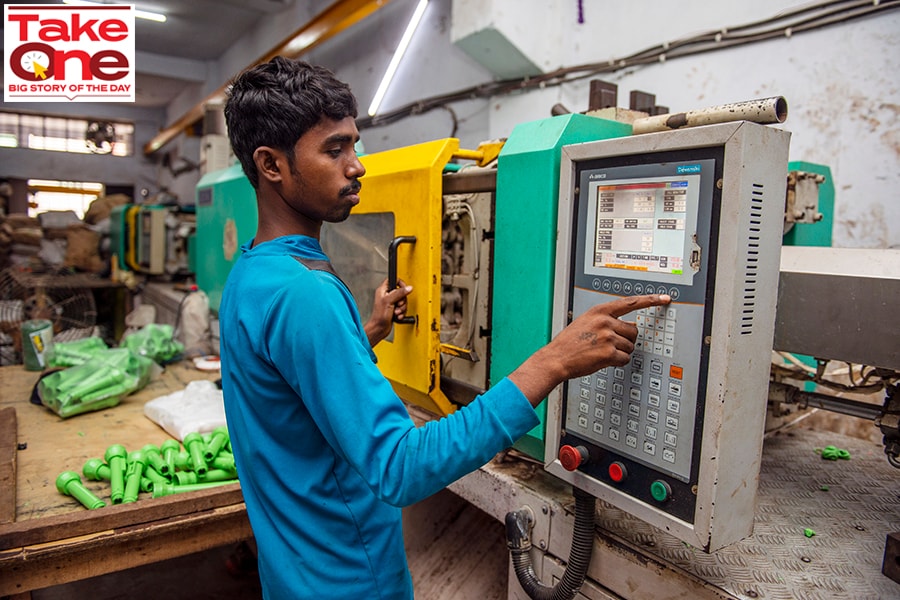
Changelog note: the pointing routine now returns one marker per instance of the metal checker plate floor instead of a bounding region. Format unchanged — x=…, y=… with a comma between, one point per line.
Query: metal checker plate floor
x=851, y=505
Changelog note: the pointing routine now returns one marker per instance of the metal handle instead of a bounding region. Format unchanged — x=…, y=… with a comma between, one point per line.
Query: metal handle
x=392, y=270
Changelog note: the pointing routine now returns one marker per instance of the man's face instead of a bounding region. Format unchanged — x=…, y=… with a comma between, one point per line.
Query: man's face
x=324, y=183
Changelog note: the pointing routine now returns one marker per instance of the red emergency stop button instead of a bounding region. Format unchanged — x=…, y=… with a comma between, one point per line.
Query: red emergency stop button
x=617, y=472
x=572, y=457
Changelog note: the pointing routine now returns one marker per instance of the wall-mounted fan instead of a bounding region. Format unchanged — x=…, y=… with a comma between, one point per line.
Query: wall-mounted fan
x=100, y=137
x=56, y=296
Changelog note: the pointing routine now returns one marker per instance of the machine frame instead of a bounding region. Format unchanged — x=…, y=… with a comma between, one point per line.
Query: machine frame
x=750, y=218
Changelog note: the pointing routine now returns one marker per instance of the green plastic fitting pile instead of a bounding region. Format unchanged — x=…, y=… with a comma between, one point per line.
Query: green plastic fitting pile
x=205, y=461
x=94, y=376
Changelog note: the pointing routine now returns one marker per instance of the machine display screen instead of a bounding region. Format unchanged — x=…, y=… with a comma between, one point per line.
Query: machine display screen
x=642, y=219
x=640, y=226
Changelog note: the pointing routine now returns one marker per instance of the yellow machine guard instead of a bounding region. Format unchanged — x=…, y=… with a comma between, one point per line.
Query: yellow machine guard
x=407, y=183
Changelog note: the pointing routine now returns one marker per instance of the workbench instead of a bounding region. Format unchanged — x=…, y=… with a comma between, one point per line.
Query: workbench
x=47, y=538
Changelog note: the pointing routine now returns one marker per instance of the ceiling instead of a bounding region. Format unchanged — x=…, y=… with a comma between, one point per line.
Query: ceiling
x=198, y=30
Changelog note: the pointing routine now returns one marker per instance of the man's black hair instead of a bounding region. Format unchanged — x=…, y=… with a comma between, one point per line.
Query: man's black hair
x=275, y=103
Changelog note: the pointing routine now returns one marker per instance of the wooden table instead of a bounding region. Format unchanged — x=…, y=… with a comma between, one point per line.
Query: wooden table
x=47, y=538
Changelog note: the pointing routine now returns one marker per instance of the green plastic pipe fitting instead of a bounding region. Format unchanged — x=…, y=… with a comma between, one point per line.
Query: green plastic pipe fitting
x=133, y=474
x=96, y=470
x=224, y=461
x=217, y=475
x=184, y=478
x=190, y=478
x=170, y=449
x=216, y=443
x=116, y=459
x=155, y=459
x=183, y=460
x=167, y=489
x=154, y=476
x=194, y=443
x=69, y=483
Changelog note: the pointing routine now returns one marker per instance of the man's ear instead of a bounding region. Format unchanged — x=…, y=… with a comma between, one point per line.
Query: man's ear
x=269, y=163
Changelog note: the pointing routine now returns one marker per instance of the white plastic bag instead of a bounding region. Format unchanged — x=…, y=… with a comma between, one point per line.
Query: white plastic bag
x=197, y=408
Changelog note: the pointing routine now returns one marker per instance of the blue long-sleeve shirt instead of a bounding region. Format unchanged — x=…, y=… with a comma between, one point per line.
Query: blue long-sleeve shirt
x=326, y=451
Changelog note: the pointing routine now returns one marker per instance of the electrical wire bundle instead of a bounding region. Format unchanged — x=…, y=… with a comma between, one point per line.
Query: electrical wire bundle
x=785, y=24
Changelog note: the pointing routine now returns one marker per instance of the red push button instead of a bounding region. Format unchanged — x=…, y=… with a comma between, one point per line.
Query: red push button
x=617, y=472
x=571, y=457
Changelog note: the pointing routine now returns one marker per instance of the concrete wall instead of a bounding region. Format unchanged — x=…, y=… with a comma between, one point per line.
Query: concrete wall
x=135, y=170
x=842, y=85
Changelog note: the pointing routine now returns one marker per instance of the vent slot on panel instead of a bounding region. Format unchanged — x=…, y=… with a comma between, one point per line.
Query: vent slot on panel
x=751, y=260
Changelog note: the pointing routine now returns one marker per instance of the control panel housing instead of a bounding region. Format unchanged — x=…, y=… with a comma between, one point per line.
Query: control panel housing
x=675, y=436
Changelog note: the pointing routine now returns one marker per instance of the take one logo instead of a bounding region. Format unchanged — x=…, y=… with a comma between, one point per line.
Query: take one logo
x=68, y=53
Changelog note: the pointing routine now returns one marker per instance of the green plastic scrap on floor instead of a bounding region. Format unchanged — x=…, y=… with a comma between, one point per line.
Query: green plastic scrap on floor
x=809, y=532
x=834, y=453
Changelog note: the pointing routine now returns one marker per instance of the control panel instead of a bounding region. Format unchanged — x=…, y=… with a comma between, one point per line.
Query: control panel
x=675, y=436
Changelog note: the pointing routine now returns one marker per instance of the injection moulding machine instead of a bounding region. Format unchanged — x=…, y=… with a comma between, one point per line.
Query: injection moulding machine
x=153, y=239
x=505, y=244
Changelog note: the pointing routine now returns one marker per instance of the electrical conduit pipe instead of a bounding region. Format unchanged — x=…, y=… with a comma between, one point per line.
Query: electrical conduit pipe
x=518, y=525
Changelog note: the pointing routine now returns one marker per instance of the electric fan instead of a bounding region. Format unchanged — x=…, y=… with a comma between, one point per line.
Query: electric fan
x=42, y=294
x=100, y=137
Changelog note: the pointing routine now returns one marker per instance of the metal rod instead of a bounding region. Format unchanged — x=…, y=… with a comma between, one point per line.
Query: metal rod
x=854, y=408
x=764, y=110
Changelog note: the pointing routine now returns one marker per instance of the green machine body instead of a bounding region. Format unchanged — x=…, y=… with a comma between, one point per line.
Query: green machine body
x=525, y=242
x=226, y=218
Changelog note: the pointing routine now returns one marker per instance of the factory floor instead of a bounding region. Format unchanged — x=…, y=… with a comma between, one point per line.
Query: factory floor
x=446, y=560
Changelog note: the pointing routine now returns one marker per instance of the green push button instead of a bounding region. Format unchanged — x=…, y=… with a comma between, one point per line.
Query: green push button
x=660, y=490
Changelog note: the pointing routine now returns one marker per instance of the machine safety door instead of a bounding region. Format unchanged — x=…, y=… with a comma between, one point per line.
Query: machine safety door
x=396, y=230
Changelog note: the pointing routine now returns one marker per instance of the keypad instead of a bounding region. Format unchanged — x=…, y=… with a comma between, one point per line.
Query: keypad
x=656, y=331
x=637, y=409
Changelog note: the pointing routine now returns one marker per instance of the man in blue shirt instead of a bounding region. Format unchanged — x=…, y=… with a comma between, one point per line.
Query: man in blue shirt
x=326, y=451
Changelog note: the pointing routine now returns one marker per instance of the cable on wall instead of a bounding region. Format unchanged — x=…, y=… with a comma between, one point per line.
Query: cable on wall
x=786, y=24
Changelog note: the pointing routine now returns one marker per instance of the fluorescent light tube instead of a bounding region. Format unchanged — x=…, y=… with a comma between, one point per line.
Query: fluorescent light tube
x=398, y=55
x=140, y=14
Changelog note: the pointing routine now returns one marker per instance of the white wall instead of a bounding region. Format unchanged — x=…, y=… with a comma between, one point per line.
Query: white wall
x=842, y=83
x=431, y=66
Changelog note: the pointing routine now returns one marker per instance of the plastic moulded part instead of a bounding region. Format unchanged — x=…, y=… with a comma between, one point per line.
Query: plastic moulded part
x=69, y=483
x=166, y=490
x=133, y=474
x=115, y=457
x=216, y=443
x=155, y=459
x=96, y=470
x=835, y=453
x=154, y=477
x=213, y=475
x=170, y=449
x=194, y=444
x=224, y=461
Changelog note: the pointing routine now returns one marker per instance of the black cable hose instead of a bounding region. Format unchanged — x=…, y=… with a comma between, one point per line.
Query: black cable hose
x=827, y=14
x=517, y=527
